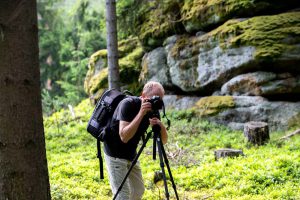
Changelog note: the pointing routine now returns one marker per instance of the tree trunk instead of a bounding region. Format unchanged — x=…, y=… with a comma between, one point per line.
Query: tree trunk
x=23, y=164
x=256, y=132
x=112, y=45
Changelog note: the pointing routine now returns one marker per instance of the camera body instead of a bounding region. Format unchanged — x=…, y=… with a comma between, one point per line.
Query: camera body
x=156, y=103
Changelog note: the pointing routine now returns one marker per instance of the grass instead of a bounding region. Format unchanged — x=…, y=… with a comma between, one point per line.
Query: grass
x=271, y=171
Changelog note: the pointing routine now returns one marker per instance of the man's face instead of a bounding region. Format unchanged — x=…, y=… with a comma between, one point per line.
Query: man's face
x=155, y=92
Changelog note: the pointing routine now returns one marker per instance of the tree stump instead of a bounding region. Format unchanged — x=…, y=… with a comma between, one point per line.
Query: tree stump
x=256, y=132
x=222, y=153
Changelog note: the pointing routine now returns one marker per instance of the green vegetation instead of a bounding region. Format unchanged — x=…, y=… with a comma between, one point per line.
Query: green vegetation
x=266, y=172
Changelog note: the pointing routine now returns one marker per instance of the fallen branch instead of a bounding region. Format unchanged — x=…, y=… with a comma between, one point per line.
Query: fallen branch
x=290, y=135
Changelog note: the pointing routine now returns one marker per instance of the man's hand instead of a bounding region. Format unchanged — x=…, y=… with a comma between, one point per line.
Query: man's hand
x=153, y=121
x=145, y=106
x=164, y=135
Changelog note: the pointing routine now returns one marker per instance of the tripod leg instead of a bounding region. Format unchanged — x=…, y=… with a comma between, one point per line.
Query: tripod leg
x=161, y=159
x=132, y=165
x=154, y=145
x=169, y=170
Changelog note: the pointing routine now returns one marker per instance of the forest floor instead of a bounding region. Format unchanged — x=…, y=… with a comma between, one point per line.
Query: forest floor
x=271, y=171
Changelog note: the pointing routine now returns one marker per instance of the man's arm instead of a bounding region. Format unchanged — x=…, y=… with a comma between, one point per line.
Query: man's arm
x=128, y=129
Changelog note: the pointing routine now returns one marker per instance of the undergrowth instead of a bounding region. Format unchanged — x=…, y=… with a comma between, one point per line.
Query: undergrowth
x=264, y=172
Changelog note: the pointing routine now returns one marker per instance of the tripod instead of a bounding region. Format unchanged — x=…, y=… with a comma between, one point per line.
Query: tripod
x=162, y=157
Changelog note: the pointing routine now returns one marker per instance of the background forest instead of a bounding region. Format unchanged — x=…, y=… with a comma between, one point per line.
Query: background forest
x=69, y=32
x=72, y=43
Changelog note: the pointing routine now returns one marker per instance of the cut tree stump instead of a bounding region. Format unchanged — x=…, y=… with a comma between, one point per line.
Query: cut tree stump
x=222, y=153
x=256, y=132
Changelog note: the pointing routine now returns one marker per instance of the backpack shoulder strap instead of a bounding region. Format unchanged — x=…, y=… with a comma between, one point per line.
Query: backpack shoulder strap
x=99, y=156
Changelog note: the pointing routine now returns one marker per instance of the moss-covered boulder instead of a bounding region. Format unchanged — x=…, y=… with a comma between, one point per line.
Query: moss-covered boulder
x=130, y=56
x=213, y=105
x=157, y=21
x=96, y=76
x=207, y=14
x=204, y=63
x=260, y=43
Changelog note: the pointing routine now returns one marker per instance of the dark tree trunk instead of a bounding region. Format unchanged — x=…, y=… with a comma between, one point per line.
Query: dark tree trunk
x=112, y=45
x=256, y=132
x=23, y=164
x=222, y=153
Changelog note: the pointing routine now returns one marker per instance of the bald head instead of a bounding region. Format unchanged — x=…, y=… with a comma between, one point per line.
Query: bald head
x=153, y=88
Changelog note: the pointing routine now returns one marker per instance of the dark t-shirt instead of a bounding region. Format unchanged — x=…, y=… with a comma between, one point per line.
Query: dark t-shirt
x=126, y=111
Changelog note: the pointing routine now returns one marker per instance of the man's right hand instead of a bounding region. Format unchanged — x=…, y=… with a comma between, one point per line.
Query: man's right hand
x=145, y=106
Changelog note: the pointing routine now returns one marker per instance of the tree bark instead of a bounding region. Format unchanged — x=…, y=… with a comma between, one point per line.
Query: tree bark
x=256, y=132
x=23, y=164
x=112, y=45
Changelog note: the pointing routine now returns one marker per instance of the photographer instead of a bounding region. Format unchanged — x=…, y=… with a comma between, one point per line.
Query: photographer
x=129, y=123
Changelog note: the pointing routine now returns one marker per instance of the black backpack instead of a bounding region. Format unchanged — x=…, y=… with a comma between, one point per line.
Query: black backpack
x=99, y=123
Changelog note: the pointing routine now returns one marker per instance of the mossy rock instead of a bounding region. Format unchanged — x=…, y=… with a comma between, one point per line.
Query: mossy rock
x=99, y=81
x=127, y=46
x=158, y=20
x=97, y=62
x=271, y=35
x=130, y=57
x=212, y=105
x=206, y=14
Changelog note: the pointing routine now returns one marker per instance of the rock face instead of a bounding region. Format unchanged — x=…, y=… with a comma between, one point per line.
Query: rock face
x=155, y=68
x=235, y=111
x=244, y=53
x=262, y=84
x=204, y=63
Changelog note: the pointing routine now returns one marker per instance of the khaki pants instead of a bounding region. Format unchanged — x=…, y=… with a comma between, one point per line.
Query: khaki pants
x=133, y=188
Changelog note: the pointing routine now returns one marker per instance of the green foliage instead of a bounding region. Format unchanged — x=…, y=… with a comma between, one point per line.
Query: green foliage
x=265, y=172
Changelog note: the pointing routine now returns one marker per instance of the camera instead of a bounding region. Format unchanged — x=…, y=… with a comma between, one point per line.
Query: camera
x=156, y=103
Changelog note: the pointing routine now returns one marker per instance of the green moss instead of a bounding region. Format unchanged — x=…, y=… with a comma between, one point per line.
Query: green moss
x=96, y=56
x=204, y=14
x=130, y=56
x=271, y=35
x=132, y=59
x=98, y=81
x=101, y=54
x=185, y=41
x=213, y=105
x=128, y=45
x=158, y=23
